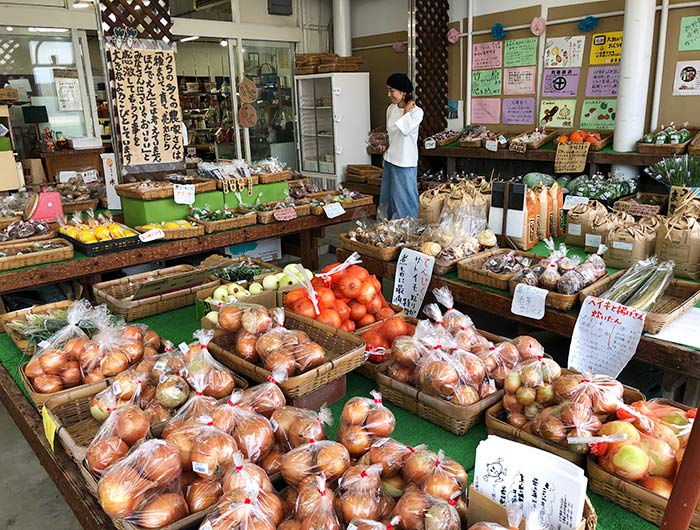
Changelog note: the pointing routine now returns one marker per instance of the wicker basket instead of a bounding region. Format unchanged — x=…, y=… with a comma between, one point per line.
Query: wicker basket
x=50, y=235
x=116, y=294
x=81, y=206
x=679, y=297
x=448, y=140
x=666, y=149
x=605, y=140
x=694, y=146
x=564, y=302
x=244, y=219
x=269, y=178
x=365, y=200
x=184, y=232
x=40, y=399
x=471, y=142
x=7, y=221
x=23, y=344
x=218, y=261
x=374, y=181
x=382, y=254
x=536, y=145
x=496, y=424
x=132, y=190
x=345, y=352
x=35, y=258
x=266, y=218
x=471, y=269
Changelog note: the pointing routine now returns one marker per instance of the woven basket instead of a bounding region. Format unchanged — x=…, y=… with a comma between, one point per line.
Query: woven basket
x=471, y=269
x=269, y=178
x=374, y=181
x=345, y=352
x=536, y=145
x=23, y=344
x=605, y=140
x=50, y=235
x=496, y=424
x=347, y=205
x=116, y=293
x=448, y=140
x=471, y=142
x=266, y=218
x=666, y=149
x=694, y=146
x=7, y=221
x=218, y=261
x=382, y=254
x=81, y=206
x=369, y=369
x=245, y=219
x=177, y=233
x=564, y=302
x=40, y=399
x=36, y=258
x=131, y=190
x=679, y=297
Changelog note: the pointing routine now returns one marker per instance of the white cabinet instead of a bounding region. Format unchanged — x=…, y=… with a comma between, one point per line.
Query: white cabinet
x=333, y=112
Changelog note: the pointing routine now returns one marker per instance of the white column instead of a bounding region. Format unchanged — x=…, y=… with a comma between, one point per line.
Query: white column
x=342, y=37
x=633, y=87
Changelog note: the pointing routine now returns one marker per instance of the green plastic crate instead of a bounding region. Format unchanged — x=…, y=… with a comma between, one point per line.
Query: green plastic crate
x=137, y=213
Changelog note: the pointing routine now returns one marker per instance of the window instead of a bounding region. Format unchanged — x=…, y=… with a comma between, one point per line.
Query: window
x=219, y=10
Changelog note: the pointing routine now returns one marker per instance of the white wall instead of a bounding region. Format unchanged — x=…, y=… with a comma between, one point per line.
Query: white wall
x=458, y=8
x=374, y=17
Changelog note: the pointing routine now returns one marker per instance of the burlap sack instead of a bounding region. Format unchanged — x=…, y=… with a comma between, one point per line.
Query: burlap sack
x=678, y=239
x=578, y=222
x=546, y=212
x=524, y=233
x=629, y=244
x=601, y=226
x=430, y=203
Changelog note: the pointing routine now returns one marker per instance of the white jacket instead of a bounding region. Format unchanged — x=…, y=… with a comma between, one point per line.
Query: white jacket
x=402, y=130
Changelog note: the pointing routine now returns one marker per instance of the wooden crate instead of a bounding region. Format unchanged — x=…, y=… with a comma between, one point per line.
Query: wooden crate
x=536, y=145
x=667, y=149
x=16, y=261
x=132, y=190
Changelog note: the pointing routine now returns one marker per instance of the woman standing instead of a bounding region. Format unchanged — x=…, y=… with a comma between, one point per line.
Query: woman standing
x=399, y=194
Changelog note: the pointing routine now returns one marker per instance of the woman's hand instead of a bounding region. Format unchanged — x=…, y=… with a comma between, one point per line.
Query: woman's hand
x=409, y=107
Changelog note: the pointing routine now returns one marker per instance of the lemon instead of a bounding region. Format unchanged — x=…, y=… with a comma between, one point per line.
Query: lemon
x=116, y=231
x=171, y=225
x=129, y=233
x=150, y=227
x=72, y=231
x=102, y=233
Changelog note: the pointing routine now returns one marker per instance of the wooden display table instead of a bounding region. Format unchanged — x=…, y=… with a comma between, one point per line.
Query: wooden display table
x=71, y=160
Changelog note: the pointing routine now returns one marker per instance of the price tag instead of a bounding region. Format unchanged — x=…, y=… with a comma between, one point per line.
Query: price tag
x=593, y=240
x=183, y=193
x=622, y=245
x=199, y=467
x=491, y=145
x=152, y=235
x=90, y=176
x=430, y=143
x=414, y=271
x=159, y=366
x=529, y=301
x=605, y=337
x=333, y=210
x=184, y=348
x=49, y=426
x=502, y=139
x=116, y=388
x=191, y=151
x=517, y=147
x=571, y=157
x=572, y=201
x=285, y=214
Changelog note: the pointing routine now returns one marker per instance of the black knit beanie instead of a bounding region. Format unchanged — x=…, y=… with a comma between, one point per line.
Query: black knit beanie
x=400, y=82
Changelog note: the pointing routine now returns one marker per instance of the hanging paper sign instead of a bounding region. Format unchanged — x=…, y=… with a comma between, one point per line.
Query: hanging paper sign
x=152, y=235
x=564, y=52
x=67, y=86
x=413, y=273
x=247, y=91
x=518, y=147
x=557, y=112
x=487, y=82
x=333, y=210
x=520, y=52
x=529, y=301
x=598, y=114
x=487, y=55
x=183, y=193
x=605, y=337
x=686, y=82
x=602, y=81
x=560, y=82
x=49, y=426
x=247, y=115
x=606, y=48
x=285, y=214
x=519, y=80
x=519, y=111
x=689, y=37
x=486, y=110
x=571, y=157
x=89, y=176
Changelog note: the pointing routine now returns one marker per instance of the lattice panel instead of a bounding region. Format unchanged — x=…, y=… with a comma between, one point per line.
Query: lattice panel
x=432, y=17
x=150, y=18
x=9, y=49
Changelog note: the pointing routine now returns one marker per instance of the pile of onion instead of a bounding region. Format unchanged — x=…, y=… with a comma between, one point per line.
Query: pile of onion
x=315, y=506
x=601, y=393
x=266, y=398
x=203, y=448
x=325, y=457
x=359, y=492
x=252, y=432
x=296, y=426
x=417, y=509
x=362, y=422
x=570, y=418
x=447, y=481
x=391, y=455
x=380, y=339
x=530, y=389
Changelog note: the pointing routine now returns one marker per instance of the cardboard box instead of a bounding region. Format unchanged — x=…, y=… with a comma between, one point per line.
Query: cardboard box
x=36, y=169
x=264, y=249
x=9, y=94
x=137, y=213
x=484, y=510
x=268, y=193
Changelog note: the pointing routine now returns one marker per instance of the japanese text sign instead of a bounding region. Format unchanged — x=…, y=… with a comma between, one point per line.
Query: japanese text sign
x=414, y=271
x=571, y=157
x=519, y=111
x=606, y=48
x=519, y=80
x=689, y=37
x=602, y=81
x=560, y=82
x=520, y=52
x=487, y=55
x=486, y=110
x=562, y=52
x=487, y=82
x=529, y=301
x=598, y=114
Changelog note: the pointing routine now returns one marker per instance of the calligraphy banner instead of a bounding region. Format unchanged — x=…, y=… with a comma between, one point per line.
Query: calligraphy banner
x=147, y=105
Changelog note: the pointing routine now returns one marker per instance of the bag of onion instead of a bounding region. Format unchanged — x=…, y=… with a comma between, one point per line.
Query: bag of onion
x=296, y=426
x=363, y=421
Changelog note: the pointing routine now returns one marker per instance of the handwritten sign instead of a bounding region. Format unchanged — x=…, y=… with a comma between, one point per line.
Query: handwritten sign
x=605, y=337
x=689, y=37
x=686, y=81
x=247, y=91
x=486, y=110
x=247, y=115
x=413, y=273
x=557, y=112
x=520, y=52
x=519, y=111
x=602, y=81
x=571, y=201
x=487, y=82
x=598, y=114
x=517, y=147
x=606, y=48
x=560, y=82
x=491, y=145
x=147, y=106
x=68, y=89
x=487, y=55
x=571, y=157
x=519, y=80
x=183, y=193
x=285, y=214
x=562, y=52
x=152, y=235
x=529, y=301
x=333, y=210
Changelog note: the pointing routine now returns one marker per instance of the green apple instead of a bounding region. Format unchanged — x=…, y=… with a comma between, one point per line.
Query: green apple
x=220, y=293
x=309, y=274
x=255, y=288
x=213, y=316
x=243, y=294
x=270, y=282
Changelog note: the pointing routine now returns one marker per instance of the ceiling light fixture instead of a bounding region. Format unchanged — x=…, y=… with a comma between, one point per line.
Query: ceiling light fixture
x=223, y=43
x=81, y=4
x=188, y=39
x=48, y=30
x=9, y=28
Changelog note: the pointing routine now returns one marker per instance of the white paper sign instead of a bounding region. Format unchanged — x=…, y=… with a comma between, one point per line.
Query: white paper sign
x=183, y=193
x=605, y=337
x=90, y=176
x=430, y=143
x=333, y=209
x=593, y=240
x=686, y=82
x=414, y=271
x=65, y=176
x=152, y=235
x=528, y=301
x=491, y=145
x=572, y=200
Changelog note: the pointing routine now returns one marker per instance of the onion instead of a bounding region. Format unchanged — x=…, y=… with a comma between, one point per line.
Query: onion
x=271, y=506
x=659, y=485
x=202, y=494
x=256, y=319
x=224, y=418
x=285, y=418
x=220, y=383
x=394, y=485
x=184, y=440
x=528, y=347
x=333, y=460
x=254, y=436
x=272, y=461
x=242, y=477
x=172, y=391
x=93, y=377
x=132, y=334
x=438, y=378
x=356, y=505
x=214, y=451
x=158, y=415
x=99, y=408
x=114, y=363
x=282, y=360
x=133, y=351
x=265, y=398
x=53, y=361
x=296, y=465
x=230, y=318
x=390, y=454
x=418, y=465
x=405, y=351
x=355, y=411
x=71, y=374
x=309, y=497
x=104, y=452
x=131, y=425
x=74, y=346
x=380, y=422
x=464, y=396
x=162, y=510
x=90, y=356
x=411, y=508
x=151, y=339
x=309, y=355
x=269, y=342
x=162, y=463
x=402, y=374
x=245, y=346
x=121, y=490
x=440, y=484
x=355, y=439
x=47, y=384
x=125, y=386
x=33, y=368
x=305, y=429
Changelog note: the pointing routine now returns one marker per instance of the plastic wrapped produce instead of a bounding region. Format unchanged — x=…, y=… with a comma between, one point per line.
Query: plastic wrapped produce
x=367, y=524
x=529, y=389
x=417, y=509
x=526, y=276
x=326, y=457
x=571, y=282
x=594, y=266
x=314, y=507
x=509, y=263
x=266, y=398
x=421, y=463
x=453, y=320
x=201, y=366
x=390, y=453
x=359, y=492
x=601, y=393
x=242, y=510
x=570, y=419
x=363, y=421
x=295, y=426
x=243, y=474
x=550, y=277
x=252, y=432
x=500, y=360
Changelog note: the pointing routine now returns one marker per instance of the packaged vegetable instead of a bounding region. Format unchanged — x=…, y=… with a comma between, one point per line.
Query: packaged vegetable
x=453, y=319
x=651, y=291
x=315, y=504
x=267, y=397
x=529, y=389
x=295, y=426
x=244, y=509
x=243, y=474
x=363, y=421
x=359, y=492
x=417, y=509
x=218, y=380
x=331, y=459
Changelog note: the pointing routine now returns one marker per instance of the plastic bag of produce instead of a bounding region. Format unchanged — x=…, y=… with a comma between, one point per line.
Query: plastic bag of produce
x=594, y=267
x=245, y=509
x=453, y=319
x=367, y=524
x=529, y=389
x=500, y=360
x=391, y=455
x=314, y=507
x=362, y=422
x=243, y=473
x=295, y=426
x=359, y=492
x=666, y=422
x=506, y=263
x=526, y=276
x=267, y=397
x=601, y=393
x=417, y=509
x=331, y=459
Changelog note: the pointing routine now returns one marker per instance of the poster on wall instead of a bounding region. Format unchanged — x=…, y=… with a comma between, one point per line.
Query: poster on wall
x=557, y=112
x=689, y=37
x=520, y=52
x=67, y=89
x=598, y=114
x=519, y=80
x=455, y=115
x=564, y=51
x=487, y=55
x=519, y=111
x=560, y=82
x=686, y=81
x=602, y=81
x=487, y=82
x=150, y=125
x=486, y=110
x=606, y=48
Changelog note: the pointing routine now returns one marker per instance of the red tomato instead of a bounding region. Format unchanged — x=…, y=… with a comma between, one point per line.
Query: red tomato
x=357, y=310
x=342, y=309
x=330, y=317
x=367, y=292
